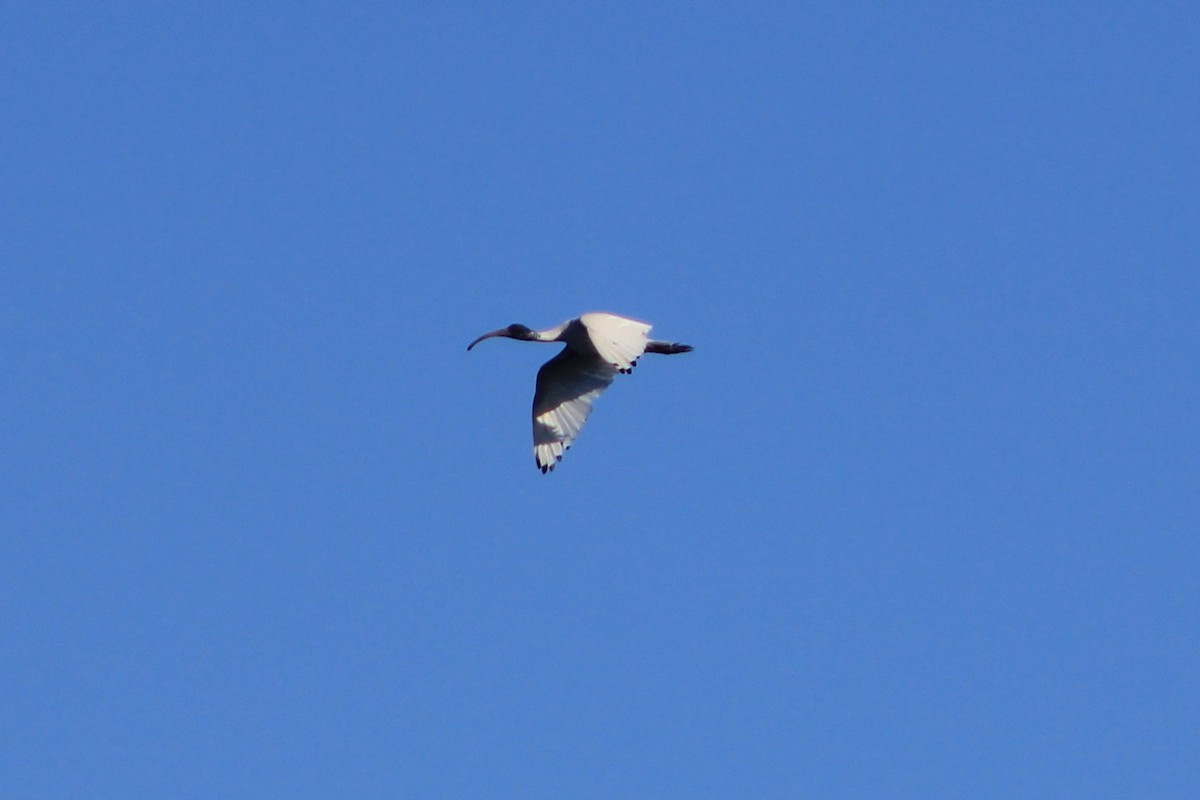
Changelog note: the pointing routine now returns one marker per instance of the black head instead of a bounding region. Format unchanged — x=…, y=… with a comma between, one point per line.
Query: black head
x=519, y=331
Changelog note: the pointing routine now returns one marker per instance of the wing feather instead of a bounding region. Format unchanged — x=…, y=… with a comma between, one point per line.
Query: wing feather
x=566, y=386
x=620, y=341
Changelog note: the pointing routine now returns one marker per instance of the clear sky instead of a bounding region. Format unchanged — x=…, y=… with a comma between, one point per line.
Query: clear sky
x=918, y=518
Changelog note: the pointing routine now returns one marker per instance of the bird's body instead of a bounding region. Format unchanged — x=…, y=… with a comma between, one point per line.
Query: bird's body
x=598, y=347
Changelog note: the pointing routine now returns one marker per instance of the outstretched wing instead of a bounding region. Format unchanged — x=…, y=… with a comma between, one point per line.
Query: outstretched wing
x=566, y=386
x=618, y=340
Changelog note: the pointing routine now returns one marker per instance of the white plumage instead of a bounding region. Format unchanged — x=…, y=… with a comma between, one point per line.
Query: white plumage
x=598, y=346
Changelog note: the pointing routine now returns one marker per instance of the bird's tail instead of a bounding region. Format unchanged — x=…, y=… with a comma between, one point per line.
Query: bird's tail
x=667, y=348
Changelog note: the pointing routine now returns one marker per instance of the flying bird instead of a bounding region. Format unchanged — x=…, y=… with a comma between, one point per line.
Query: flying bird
x=598, y=346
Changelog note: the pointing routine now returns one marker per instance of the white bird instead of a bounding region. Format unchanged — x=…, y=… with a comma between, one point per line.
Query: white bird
x=598, y=346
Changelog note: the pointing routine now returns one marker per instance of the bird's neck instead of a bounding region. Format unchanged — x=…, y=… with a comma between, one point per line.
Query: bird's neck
x=555, y=334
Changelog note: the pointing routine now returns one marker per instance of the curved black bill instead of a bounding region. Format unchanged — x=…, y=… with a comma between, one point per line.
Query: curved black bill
x=501, y=332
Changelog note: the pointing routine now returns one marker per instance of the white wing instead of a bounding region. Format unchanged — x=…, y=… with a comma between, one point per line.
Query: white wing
x=566, y=386
x=618, y=340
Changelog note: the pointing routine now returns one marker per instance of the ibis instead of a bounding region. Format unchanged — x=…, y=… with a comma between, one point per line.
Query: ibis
x=598, y=346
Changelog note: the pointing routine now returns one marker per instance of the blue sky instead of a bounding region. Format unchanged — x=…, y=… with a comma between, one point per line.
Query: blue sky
x=917, y=518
